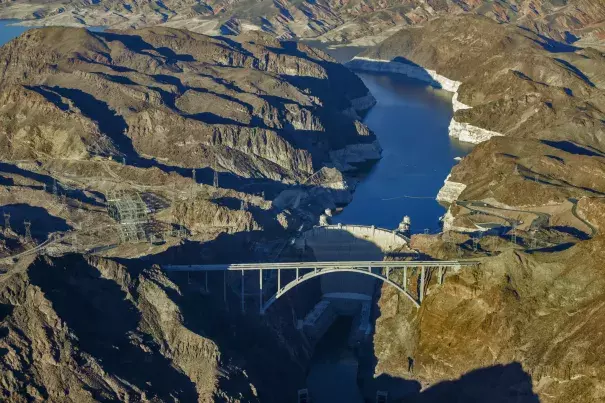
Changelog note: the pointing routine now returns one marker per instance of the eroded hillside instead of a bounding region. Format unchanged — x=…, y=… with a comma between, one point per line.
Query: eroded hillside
x=363, y=22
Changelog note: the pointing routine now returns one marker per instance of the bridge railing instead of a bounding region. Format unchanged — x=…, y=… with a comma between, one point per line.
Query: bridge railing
x=320, y=265
x=307, y=270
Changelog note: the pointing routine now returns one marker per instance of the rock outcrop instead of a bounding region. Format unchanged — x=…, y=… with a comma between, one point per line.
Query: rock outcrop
x=152, y=146
x=535, y=314
x=79, y=329
x=363, y=22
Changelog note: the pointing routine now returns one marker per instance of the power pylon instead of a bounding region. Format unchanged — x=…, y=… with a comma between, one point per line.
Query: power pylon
x=194, y=182
x=28, y=230
x=7, y=221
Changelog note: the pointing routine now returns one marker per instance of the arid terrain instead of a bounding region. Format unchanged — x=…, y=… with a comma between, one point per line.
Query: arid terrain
x=134, y=147
x=146, y=144
x=538, y=110
x=361, y=22
x=523, y=327
x=528, y=201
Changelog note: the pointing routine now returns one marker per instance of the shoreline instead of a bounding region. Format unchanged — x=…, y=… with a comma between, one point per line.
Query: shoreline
x=450, y=191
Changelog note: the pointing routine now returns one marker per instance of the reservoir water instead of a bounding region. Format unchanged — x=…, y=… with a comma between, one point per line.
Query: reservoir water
x=410, y=120
x=9, y=31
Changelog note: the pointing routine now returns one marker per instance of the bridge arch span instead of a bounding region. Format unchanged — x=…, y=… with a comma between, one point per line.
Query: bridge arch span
x=321, y=272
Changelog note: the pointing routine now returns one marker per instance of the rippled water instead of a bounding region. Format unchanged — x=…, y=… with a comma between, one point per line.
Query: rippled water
x=410, y=120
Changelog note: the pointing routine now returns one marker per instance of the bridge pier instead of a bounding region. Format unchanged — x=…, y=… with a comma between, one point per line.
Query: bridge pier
x=315, y=269
x=421, y=291
x=260, y=291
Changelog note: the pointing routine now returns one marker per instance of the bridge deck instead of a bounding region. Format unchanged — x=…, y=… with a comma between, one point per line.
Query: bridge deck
x=320, y=265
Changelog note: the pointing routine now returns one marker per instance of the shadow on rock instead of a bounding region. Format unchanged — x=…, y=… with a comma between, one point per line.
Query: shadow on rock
x=106, y=324
x=503, y=383
x=496, y=384
x=42, y=222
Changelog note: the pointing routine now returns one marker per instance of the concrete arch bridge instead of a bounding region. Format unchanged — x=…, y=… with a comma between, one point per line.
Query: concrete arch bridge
x=411, y=278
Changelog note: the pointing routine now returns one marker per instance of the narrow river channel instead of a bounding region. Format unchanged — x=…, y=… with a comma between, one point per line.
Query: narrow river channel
x=410, y=120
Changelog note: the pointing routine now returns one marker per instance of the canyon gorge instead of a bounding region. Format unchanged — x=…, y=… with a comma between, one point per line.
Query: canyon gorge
x=483, y=121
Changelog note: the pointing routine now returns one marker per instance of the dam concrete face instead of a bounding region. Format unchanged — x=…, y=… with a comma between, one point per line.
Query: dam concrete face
x=338, y=240
x=349, y=243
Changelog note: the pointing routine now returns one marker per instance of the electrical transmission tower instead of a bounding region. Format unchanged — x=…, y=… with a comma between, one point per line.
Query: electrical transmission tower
x=534, y=240
x=194, y=182
x=7, y=221
x=28, y=230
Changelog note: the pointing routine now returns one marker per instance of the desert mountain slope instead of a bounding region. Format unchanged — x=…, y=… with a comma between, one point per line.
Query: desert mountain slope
x=364, y=21
x=537, y=107
x=516, y=82
x=539, y=311
x=253, y=108
x=124, y=149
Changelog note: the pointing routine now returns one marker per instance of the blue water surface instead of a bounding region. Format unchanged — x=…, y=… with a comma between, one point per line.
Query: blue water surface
x=411, y=122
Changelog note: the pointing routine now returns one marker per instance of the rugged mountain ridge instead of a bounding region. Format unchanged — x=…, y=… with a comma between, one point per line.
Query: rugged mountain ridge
x=123, y=150
x=527, y=202
x=333, y=21
x=524, y=326
x=148, y=100
x=537, y=107
x=80, y=329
